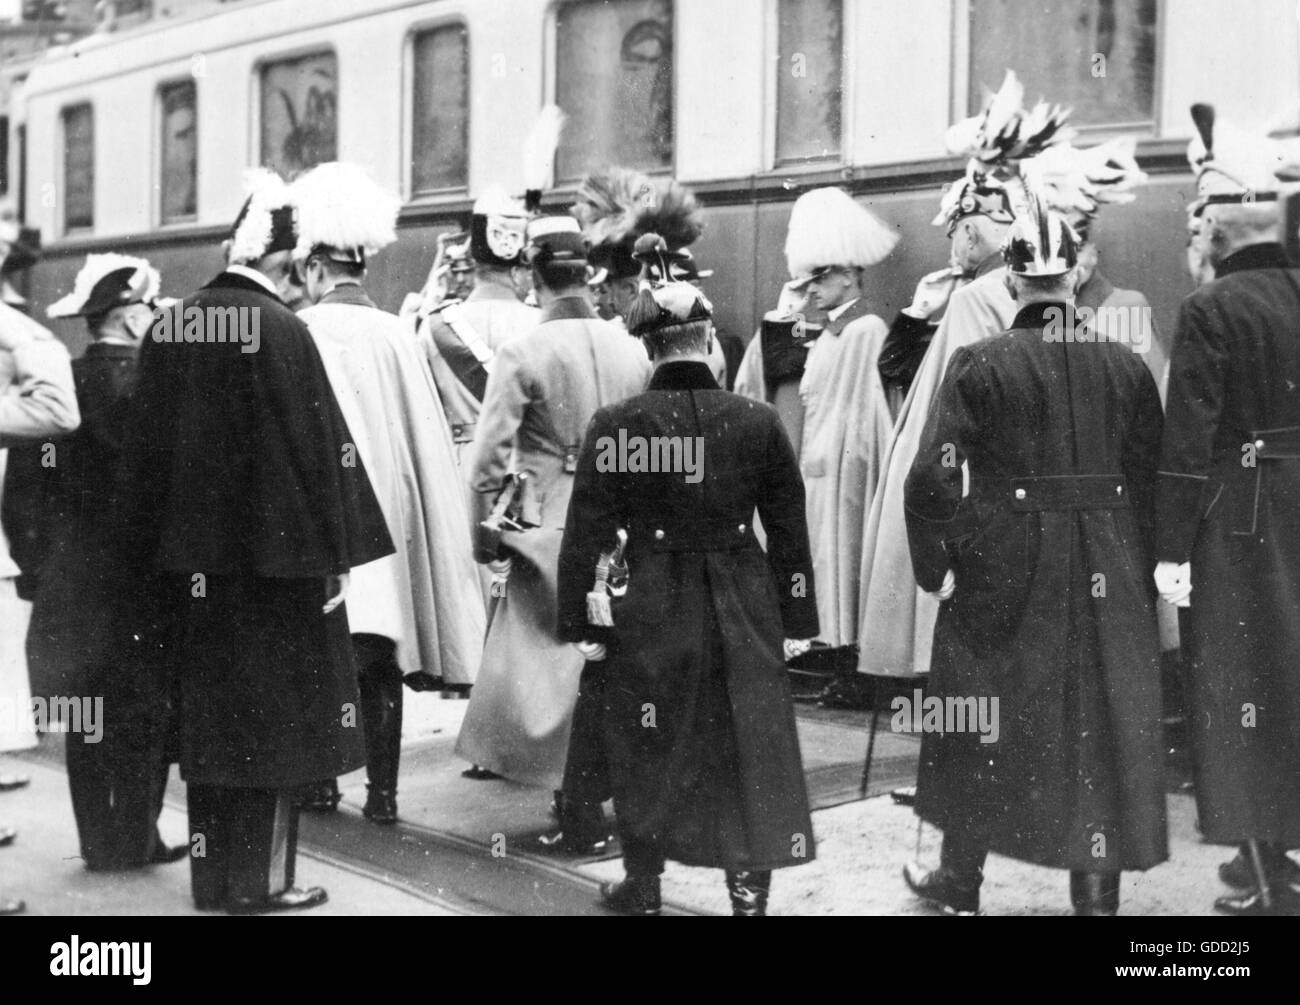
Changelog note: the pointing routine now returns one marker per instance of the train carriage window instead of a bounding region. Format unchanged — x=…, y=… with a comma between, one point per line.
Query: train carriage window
x=440, y=130
x=614, y=79
x=179, y=149
x=299, y=112
x=810, y=79
x=78, y=167
x=1095, y=56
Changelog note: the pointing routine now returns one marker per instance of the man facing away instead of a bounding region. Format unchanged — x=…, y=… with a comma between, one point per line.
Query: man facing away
x=243, y=510
x=1045, y=650
x=695, y=708
x=543, y=390
x=1228, y=519
x=419, y=611
x=117, y=777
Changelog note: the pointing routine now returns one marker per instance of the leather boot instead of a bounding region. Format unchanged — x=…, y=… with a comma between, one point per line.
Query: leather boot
x=635, y=895
x=748, y=891
x=1269, y=895
x=1094, y=894
x=955, y=885
x=381, y=711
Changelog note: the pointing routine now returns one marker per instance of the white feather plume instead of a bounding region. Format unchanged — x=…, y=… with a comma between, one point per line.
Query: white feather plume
x=341, y=206
x=266, y=192
x=1075, y=181
x=539, y=149
x=95, y=269
x=1005, y=130
x=827, y=227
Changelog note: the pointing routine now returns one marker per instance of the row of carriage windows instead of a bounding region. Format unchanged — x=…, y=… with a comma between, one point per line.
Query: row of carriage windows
x=615, y=78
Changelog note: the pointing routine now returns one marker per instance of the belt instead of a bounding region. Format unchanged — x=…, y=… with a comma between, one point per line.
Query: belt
x=706, y=535
x=1067, y=492
x=1277, y=444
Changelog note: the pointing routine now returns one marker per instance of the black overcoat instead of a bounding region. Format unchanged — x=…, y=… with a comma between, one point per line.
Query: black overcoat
x=1053, y=612
x=239, y=495
x=1229, y=501
x=698, y=723
x=73, y=614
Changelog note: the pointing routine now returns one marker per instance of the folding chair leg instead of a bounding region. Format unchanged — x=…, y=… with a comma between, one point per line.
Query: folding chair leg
x=871, y=748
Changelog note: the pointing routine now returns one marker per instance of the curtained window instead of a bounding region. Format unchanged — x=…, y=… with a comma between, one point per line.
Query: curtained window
x=1095, y=56
x=299, y=112
x=78, y=167
x=178, y=173
x=440, y=131
x=614, y=79
x=810, y=78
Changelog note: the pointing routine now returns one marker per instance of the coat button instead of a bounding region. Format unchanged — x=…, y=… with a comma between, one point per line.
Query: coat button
x=659, y=535
x=1259, y=444
x=741, y=529
x=1119, y=490
x=1020, y=493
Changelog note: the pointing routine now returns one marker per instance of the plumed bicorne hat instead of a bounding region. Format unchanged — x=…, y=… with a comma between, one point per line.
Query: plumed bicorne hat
x=663, y=302
x=265, y=223
x=107, y=281
x=616, y=206
x=1233, y=166
x=829, y=229
x=342, y=213
x=995, y=141
x=1040, y=243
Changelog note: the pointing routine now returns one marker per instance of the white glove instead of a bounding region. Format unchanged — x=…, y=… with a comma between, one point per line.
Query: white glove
x=932, y=294
x=592, y=652
x=337, y=589
x=796, y=647
x=1174, y=581
x=949, y=586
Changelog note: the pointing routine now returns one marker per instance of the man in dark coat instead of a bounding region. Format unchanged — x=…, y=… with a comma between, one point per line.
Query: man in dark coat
x=116, y=774
x=1042, y=733
x=246, y=498
x=699, y=728
x=1228, y=520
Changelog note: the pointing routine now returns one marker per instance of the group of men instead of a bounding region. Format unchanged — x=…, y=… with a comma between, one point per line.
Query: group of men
x=259, y=526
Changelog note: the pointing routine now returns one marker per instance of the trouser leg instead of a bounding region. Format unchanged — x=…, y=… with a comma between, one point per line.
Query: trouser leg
x=209, y=844
x=641, y=858
x=90, y=784
x=379, y=680
x=259, y=828
x=1094, y=894
x=586, y=771
x=963, y=855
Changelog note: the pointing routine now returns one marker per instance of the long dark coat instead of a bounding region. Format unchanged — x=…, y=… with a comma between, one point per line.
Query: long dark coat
x=698, y=723
x=236, y=467
x=1053, y=612
x=73, y=614
x=1229, y=500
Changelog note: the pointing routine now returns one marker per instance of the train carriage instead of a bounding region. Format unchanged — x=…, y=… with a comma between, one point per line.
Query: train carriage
x=136, y=140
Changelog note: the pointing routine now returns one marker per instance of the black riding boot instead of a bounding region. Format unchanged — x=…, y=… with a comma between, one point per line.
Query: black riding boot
x=1094, y=894
x=320, y=797
x=380, y=684
x=748, y=892
x=955, y=885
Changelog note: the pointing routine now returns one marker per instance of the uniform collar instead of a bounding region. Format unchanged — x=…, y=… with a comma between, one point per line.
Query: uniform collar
x=491, y=291
x=1040, y=314
x=857, y=309
x=255, y=276
x=683, y=375
x=1269, y=255
x=569, y=309
x=347, y=293
x=112, y=350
